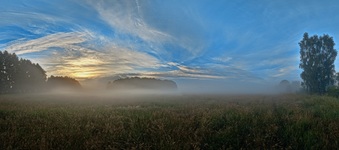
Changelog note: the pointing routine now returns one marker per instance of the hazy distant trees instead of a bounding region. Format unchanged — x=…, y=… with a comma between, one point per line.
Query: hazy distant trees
x=20, y=75
x=317, y=56
x=137, y=83
x=285, y=86
x=55, y=82
x=289, y=87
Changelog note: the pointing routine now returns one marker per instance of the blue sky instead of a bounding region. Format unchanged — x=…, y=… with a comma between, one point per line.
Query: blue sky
x=226, y=41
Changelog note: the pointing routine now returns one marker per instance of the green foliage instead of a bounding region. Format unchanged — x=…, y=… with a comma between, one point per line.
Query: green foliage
x=333, y=91
x=20, y=75
x=317, y=56
x=169, y=122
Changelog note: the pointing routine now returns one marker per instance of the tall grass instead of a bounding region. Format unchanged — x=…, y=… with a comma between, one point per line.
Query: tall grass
x=169, y=122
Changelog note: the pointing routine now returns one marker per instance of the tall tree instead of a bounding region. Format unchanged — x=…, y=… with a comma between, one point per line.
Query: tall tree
x=317, y=56
x=20, y=76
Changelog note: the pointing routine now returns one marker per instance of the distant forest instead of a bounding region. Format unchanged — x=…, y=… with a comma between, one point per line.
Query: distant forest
x=23, y=76
x=63, y=82
x=136, y=83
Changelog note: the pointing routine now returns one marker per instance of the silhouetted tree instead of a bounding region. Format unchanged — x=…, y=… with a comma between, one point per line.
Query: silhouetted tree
x=20, y=76
x=317, y=56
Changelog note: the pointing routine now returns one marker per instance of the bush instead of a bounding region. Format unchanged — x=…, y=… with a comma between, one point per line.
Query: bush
x=333, y=91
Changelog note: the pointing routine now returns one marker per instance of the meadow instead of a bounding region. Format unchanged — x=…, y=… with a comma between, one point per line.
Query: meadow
x=169, y=122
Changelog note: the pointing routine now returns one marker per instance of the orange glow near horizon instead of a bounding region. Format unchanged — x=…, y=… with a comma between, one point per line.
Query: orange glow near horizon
x=81, y=68
x=83, y=75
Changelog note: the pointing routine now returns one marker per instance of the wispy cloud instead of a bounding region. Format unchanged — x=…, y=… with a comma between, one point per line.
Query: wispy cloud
x=180, y=74
x=125, y=16
x=128, y=17
x=223, y=59
x=53, y=40
x=284, y=71
x=93, y=63
x=186, y=69
x=67, y=56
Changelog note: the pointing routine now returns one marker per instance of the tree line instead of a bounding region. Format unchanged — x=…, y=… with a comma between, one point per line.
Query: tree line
x=19, y=75
x=63, y=82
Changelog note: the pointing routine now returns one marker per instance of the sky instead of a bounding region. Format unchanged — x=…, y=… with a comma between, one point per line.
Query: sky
x=191, y=41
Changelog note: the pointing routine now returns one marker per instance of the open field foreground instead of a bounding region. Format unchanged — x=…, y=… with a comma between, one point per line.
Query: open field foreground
x=169, y=122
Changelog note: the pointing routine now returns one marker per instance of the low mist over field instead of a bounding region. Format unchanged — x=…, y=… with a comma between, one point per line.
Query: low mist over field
x=168, y=121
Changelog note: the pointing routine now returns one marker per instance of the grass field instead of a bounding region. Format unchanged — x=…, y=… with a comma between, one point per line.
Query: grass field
x=169, y=122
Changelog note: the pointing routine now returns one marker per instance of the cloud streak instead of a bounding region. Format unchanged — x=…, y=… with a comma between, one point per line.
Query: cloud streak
x=130, y=17
x=53, y=40
x=67, y=56
x=125, y=16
